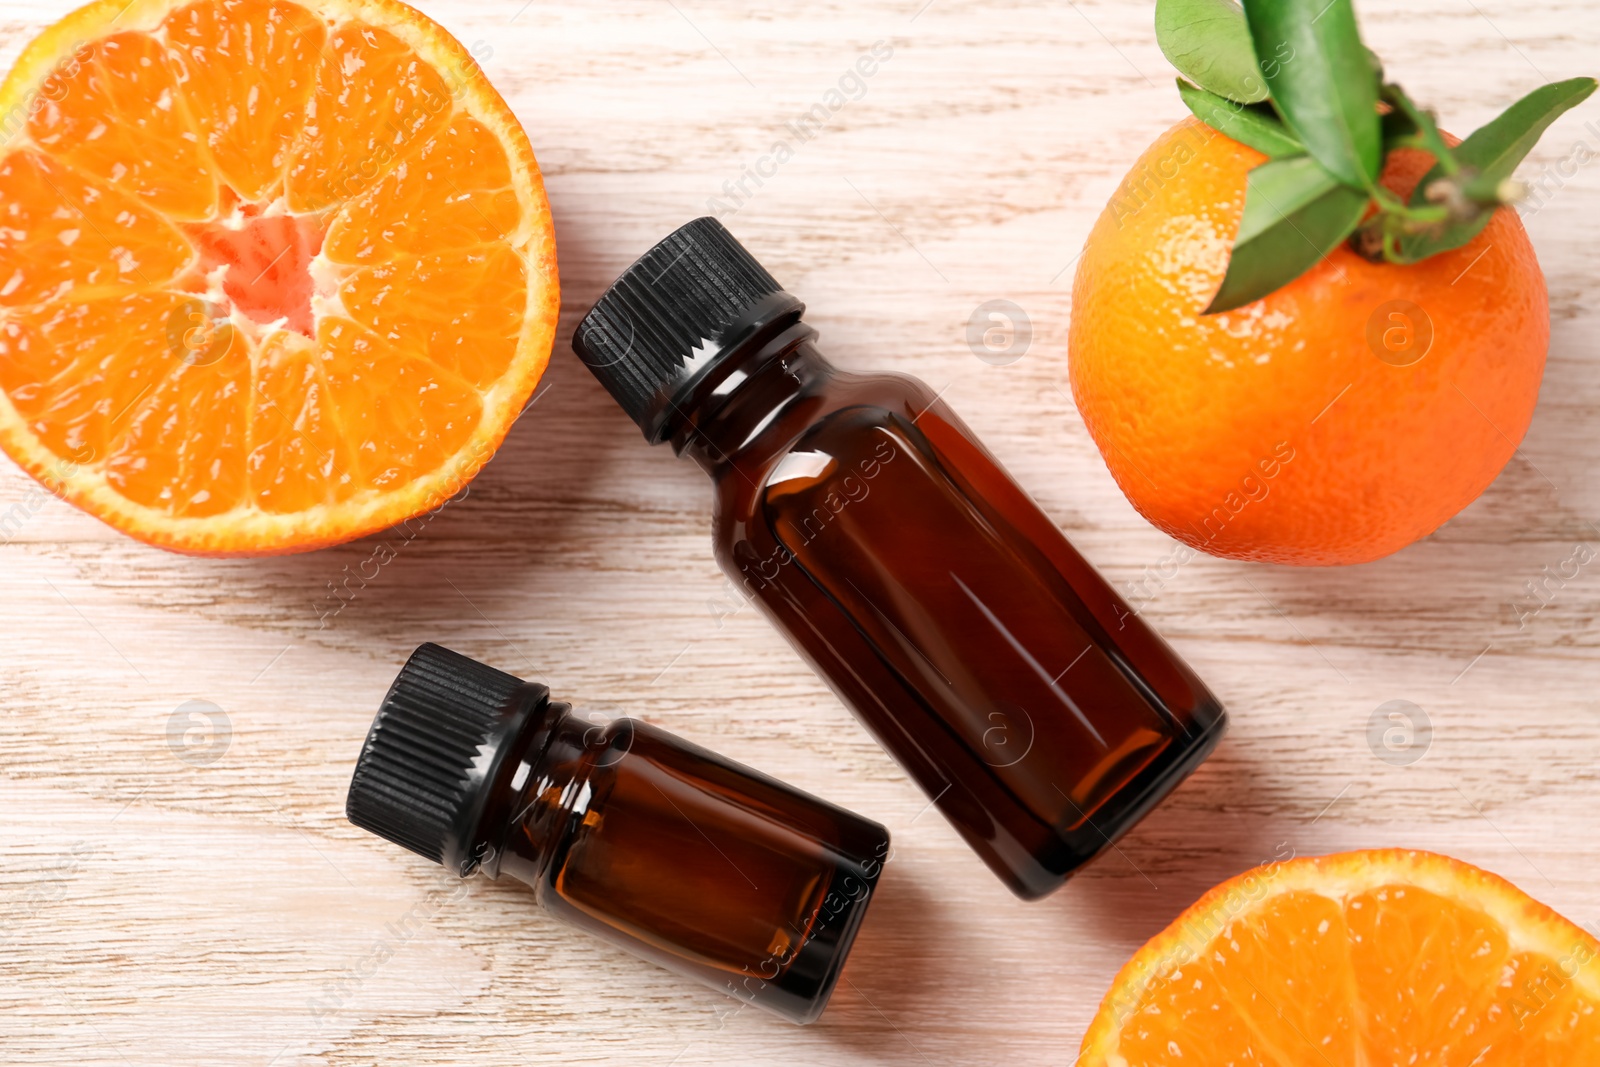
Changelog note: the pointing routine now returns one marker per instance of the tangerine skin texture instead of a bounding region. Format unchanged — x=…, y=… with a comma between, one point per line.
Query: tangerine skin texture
x=1275, y=432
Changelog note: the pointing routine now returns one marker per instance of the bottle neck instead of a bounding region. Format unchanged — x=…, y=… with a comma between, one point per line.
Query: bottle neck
x=539, y=762
x=548, y=792
x=744, y=409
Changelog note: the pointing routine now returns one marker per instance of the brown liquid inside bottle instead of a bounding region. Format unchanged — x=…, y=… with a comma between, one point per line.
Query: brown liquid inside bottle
x=670, y=851
x=687, y=859
x=1014, y=685
x=963, y=617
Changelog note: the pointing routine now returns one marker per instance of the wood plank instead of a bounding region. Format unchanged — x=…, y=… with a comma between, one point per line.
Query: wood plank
x=157, y=910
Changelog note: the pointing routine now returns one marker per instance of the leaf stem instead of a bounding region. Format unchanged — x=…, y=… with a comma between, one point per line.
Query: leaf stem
x=1428, y=135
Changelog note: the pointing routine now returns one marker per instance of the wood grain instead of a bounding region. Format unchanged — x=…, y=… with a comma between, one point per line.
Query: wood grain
x=156, y=908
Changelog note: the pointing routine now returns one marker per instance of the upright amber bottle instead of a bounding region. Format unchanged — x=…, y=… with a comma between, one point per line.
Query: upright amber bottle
x=1012, y=683
x=684, y=858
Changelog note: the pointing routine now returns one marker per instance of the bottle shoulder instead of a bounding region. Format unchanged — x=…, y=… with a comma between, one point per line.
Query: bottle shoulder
x=855, y=398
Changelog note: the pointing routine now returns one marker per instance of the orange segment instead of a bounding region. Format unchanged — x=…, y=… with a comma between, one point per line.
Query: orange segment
x=403, y=415
x=1452, y=956
x=1271, y=992
x=119, y=115
x=1373, y=958
x=409, y=212
x=1296, y=1008
x=273, y=275
x=250, y=68
x=300, y=459
x=78, y=371
x=373, y=105
x=462, y=310
x=61, y=232
x=184, y=449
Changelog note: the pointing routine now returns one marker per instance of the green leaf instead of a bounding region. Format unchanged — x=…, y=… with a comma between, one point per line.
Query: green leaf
x=1491, y=154
x=1495, y=149
x=1322, y=81
x=1208, y=42
x=1412, y=247
x=1254, y=126
x=1295, y=213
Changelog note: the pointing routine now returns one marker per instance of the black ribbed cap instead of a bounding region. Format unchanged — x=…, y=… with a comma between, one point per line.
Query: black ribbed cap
x=439, y=739
x=671, y=315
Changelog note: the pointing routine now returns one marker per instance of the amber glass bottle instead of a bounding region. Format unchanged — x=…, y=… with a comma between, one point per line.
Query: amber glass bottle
x=689, y=860
x=1007, y=677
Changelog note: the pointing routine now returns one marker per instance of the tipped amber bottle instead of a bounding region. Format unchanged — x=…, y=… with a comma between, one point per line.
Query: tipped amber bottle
x=684, y=858
x=1041, y=715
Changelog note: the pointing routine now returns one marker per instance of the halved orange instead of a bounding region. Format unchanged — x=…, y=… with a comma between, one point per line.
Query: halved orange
x=273, y=275
x=1364, y=959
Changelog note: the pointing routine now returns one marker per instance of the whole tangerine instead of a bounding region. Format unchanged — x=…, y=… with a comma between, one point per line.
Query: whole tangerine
x=1336, y=420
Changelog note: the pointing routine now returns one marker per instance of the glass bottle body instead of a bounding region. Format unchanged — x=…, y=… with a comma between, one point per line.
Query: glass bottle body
x=1006, y=676
x=708, y=868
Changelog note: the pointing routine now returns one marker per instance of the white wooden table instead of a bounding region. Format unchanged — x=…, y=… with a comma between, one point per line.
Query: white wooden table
x=176, y=894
